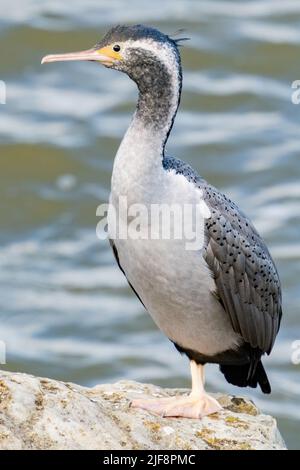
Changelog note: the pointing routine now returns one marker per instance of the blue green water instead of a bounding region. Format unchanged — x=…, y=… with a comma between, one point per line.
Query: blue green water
x=65, y=309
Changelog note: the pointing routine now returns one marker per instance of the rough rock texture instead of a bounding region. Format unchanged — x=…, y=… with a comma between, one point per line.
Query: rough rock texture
x=39, y=413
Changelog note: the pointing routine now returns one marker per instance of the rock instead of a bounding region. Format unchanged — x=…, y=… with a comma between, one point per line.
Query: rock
x=39, y=413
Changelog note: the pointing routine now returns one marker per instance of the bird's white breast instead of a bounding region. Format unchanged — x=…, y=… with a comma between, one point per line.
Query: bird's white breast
x=174, y=283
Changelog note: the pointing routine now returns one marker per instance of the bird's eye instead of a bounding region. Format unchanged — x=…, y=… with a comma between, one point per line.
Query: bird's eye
x=116, y=48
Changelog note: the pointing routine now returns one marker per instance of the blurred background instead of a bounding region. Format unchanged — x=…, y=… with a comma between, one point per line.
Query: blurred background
x=65, y=309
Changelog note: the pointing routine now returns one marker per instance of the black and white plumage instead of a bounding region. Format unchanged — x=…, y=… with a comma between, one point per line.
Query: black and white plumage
x=246, y=280
x=220, y=304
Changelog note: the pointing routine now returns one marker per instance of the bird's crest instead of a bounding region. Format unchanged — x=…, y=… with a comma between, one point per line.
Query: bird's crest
x=178, y=40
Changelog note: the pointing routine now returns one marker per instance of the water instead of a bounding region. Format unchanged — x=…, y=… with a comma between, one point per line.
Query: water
x=66, y=311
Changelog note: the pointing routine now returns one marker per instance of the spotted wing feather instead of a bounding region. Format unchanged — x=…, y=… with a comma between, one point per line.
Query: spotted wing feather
x=246, y=279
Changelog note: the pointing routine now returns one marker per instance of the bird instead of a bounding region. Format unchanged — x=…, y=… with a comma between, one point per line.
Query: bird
x=219, y=304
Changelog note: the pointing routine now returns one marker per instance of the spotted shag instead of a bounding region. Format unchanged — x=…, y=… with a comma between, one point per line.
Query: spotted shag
x=220, y=303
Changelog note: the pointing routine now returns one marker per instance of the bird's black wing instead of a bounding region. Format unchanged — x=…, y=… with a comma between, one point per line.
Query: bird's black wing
x=247, y=282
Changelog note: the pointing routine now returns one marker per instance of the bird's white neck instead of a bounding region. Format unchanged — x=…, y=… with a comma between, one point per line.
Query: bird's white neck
x=141, y=152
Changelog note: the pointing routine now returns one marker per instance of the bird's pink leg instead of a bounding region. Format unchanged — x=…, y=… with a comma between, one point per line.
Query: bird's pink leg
x=196, y=405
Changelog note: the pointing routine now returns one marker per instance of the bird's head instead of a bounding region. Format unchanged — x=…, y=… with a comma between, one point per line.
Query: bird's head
x=140, y=51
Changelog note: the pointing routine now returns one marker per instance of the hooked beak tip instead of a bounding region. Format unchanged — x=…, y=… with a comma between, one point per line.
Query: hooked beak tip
x=51, y=58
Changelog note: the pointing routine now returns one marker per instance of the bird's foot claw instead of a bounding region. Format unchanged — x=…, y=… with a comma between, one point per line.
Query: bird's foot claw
x=181, y=407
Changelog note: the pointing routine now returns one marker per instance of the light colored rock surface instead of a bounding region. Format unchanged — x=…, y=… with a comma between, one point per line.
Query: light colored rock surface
x=39, y=413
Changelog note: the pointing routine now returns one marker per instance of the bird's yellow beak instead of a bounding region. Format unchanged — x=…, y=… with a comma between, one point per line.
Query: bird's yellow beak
x=105, y=56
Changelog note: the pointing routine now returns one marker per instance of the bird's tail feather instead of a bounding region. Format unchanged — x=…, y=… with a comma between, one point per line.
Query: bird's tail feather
x=240, y=376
